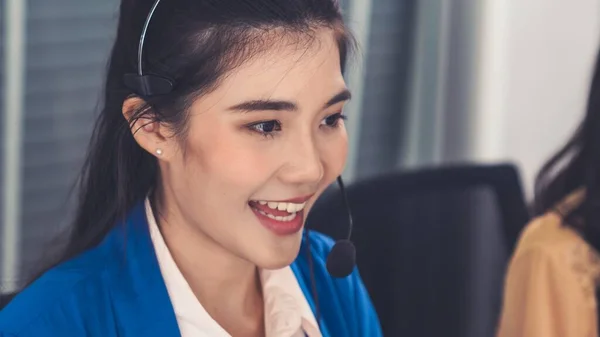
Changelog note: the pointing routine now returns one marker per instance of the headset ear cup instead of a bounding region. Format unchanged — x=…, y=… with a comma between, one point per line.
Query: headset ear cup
x=146, y=85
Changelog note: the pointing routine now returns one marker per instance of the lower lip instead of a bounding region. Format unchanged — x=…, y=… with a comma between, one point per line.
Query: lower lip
x=281, y=228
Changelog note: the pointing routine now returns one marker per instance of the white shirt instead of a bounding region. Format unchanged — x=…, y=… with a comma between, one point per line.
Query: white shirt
x=287, y=312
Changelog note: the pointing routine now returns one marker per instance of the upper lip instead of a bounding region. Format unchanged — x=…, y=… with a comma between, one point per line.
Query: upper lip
x=297, y=200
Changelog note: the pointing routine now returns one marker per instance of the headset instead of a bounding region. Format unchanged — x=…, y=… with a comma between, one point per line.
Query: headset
x=342, y=257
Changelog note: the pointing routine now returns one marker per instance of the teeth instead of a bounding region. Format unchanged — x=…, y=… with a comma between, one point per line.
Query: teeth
x=283, y=206
x=291, y=208
x=279, y=218
x=289, y=217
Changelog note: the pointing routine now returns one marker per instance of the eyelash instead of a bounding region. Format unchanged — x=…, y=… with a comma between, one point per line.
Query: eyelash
x=276, y=125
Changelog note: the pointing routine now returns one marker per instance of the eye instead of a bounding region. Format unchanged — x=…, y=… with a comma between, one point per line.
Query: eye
x=332, y=121
x=266, y=128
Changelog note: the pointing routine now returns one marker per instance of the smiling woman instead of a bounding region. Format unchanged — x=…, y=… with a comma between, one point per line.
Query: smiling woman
x=221, y=127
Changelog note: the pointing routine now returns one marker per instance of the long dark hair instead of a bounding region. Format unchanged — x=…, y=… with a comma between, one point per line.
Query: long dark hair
x=576, y=167
x=194, y=43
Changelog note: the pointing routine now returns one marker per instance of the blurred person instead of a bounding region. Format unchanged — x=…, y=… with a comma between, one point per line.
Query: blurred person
x=552, y=282
x=209, y=152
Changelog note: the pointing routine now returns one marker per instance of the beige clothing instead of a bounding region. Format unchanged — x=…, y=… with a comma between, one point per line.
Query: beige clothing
x=287, y=312
x=551, y=283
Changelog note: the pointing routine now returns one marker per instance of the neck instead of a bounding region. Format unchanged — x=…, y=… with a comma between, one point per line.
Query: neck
x=227, y=286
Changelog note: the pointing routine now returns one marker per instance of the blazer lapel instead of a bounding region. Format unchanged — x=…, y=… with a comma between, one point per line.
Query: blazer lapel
x=140, y=298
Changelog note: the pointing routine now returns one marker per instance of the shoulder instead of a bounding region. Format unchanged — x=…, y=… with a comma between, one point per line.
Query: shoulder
x=548, y=250
x=58, y=301
x=548, y=236
x=343, y=301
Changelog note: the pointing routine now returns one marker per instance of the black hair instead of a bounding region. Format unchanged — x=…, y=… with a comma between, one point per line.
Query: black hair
x=195, y=43
x=576, y=168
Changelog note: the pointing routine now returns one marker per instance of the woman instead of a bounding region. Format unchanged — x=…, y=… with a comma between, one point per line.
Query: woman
x=552, y=280
x=210, y=150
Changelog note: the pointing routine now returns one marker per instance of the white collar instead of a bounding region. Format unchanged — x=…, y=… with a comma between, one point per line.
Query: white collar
x=287, y=312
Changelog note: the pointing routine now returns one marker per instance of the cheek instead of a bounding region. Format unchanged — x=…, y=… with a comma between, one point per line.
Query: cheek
x=227, y=157
x=334, y=152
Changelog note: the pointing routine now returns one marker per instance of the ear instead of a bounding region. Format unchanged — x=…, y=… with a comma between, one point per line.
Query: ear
x=153, y=137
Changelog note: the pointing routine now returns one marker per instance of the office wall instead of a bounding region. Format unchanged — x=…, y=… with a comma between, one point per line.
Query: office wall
x=66, y=49
x=535, y=60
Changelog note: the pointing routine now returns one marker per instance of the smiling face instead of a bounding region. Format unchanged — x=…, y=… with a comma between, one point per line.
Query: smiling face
x=259, y=150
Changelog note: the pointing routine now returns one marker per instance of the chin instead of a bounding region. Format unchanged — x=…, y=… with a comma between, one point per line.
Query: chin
x=275, y=264
x=280, y=256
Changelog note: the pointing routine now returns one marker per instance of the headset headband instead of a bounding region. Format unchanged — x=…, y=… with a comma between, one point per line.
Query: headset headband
x=147, y=85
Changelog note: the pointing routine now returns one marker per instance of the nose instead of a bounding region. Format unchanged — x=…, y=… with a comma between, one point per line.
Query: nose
x=303, y=164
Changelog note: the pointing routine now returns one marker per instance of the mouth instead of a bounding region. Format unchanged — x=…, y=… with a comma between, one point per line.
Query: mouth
x=280, y=217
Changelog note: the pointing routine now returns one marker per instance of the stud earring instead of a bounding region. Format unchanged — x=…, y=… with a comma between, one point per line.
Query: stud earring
x=159, y=152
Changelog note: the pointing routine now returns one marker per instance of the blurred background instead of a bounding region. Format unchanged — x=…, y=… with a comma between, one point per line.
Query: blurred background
x=438, y=83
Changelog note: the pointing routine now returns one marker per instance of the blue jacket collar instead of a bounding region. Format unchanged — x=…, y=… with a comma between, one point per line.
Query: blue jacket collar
x=138, y=284
x=139, y=287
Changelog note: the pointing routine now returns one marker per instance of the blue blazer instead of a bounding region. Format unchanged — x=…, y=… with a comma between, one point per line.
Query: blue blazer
x=116, y=289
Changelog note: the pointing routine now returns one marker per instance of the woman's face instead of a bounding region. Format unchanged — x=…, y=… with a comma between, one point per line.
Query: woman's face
x=260, y=149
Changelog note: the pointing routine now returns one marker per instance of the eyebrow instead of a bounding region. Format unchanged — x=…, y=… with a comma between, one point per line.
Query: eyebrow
x=273, y=105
